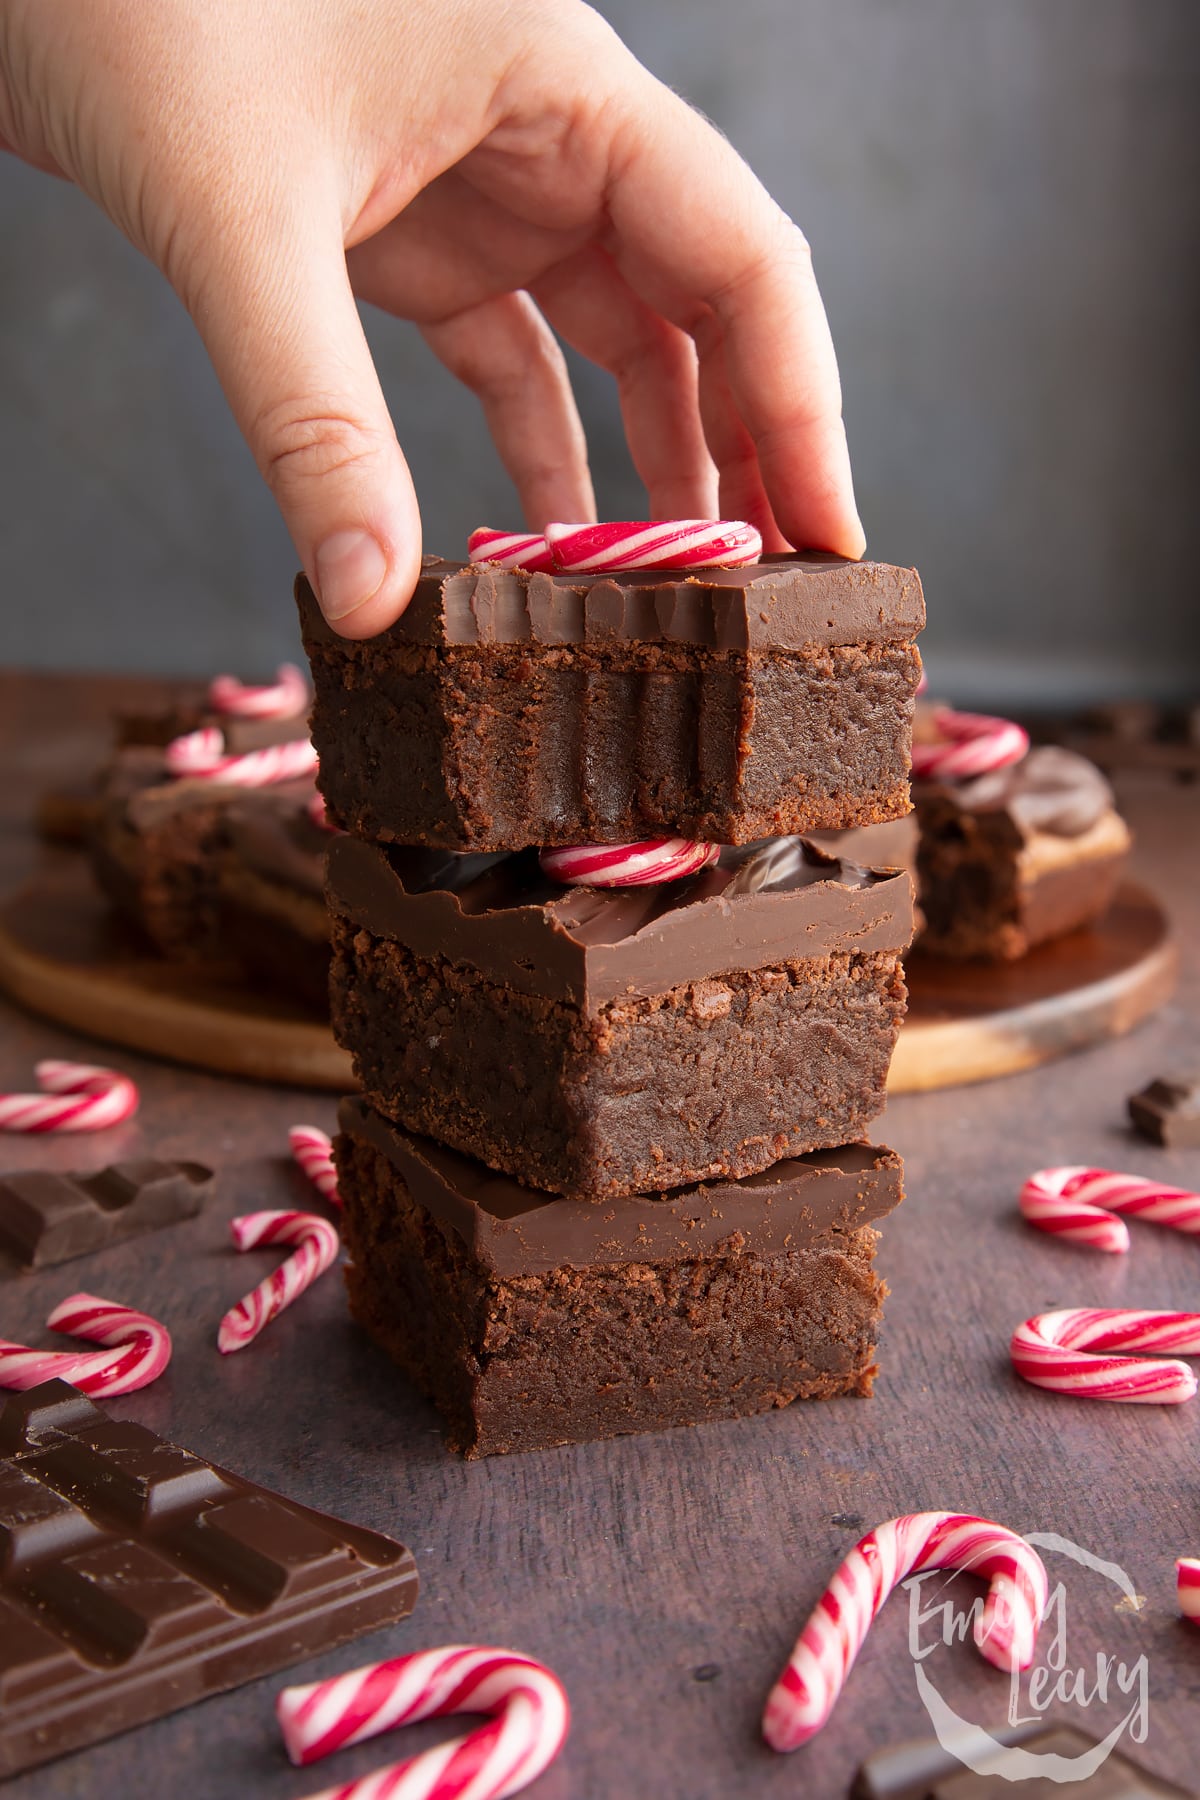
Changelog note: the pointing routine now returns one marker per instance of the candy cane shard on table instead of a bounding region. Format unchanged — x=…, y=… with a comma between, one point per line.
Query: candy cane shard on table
x=1005, y=1632
x=137, y=1350
x=313, y=1152
x=653, y=544
x=529, y=1724
x=1056, y=1351
x=317, y=1245
x=74, y=1097
x=628, y=865
x=200, y=756
x=282, y=699
x=1077, y=1203
x=1187, y=1587
x=967, y=744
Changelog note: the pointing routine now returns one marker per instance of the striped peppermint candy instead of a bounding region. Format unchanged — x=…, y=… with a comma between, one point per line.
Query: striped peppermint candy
x=628, y=865
x=1077, y=1203
x=314, y=1153
x=1187, y=1586
x=200, y=756
x=1055, y=1351
x=318, y=812
x=529, y=1720
x=969, y=744
x=317, y=1245
x=137, y=1351
x=1005, y=1632
x=653, y=544
x=283, y=699
x=74, y=1097
x=510, y=549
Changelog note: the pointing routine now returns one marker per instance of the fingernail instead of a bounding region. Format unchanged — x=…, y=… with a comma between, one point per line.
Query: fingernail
x=351, y=566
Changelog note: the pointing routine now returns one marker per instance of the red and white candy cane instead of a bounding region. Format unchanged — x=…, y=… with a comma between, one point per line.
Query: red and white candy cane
x=968, y=744
x=1056, y=1351
x=74, y=1097
x=1005, y=1632
x=200, y=756
x=1077, y=1203
x=318, y=812
x=628, y=865
x=1187, y=1586
x=529, y=1723
x=314, y=1153
x=286, y=696
x=137, y=1351
x=653, y=544
x=510, y=549
x=317, y=1245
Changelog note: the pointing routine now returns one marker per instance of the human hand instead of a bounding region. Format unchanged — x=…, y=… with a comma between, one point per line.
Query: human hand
x=491, y=171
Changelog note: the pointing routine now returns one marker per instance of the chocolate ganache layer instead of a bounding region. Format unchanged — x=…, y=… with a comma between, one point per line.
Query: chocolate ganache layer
x=783, y=602
x=515, y=1230
x=777, y=900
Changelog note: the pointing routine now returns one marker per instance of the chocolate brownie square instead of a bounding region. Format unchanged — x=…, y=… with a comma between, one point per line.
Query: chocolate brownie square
x=623, y=1040
x=506, y=709
x=271, y=896
x=531, y=1322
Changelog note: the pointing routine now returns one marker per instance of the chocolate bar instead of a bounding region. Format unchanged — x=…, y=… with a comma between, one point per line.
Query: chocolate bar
x=47, y=1218
x=1168, y=1111
x=136, y=1578
x=927, y=1771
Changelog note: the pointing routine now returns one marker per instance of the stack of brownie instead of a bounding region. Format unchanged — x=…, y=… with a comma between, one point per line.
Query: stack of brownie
x=607, y=1172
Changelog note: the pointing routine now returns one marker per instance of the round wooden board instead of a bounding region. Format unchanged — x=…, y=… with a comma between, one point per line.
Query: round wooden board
x=61, y=955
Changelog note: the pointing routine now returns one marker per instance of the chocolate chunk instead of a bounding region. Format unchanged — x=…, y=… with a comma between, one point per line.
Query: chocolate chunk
x=925, y=1771
x=47, y=1218
x=136, y=1578
x=1168, y=1111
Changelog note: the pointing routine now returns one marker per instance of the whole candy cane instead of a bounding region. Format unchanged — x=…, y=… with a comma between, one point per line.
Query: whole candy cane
x=286, y=697
x=1187, y=1586
x=200, y=756
x=74, y=1097
x=317, y=1245
x=628, y=865
x=1005, y=1632
x=530, y=1720
x=653, y=544
x=139, y=1349
x=314, y=1153
x=1054, y=1351
x=510, y=549
x=969, y=744
x=1077, y=1203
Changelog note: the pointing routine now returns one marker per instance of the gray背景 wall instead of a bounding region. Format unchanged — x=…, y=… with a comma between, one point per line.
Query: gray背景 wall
x=1001, y=199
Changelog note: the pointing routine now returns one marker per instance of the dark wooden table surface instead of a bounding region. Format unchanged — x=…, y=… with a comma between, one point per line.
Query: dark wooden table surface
x=665, y=1577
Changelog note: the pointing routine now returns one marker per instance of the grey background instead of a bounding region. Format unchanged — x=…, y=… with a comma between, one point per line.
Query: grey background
x=1001, y=196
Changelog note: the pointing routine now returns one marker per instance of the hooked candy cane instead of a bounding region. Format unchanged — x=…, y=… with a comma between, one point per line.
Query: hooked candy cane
x=969, y=744
x=1005, y=1632
x=74, y=1097
x=317, y=1245
x=314, y=1153
x=1054, y=1351
x=530, y=1720
x=628, y=865
x=510, y=549
x=285, y=697
x=200, y=756
x=653, y=544
x=137, y=1351
x=1187, y=1587
x=1077, y=1203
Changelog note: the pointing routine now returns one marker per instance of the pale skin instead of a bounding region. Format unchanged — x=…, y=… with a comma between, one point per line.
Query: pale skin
x=497, y=171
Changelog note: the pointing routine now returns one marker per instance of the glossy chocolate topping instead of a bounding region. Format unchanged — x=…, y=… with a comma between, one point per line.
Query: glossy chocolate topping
x=515, y=1230
x=782, y=603
x=49, y=1218
x=137, y=781
x=773, y=901
x=1050, y=790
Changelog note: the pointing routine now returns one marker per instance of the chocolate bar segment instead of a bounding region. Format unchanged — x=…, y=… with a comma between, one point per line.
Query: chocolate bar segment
x=48, y=1218
x=1168, y=1111
x=136, y=1578
x=925, y=1771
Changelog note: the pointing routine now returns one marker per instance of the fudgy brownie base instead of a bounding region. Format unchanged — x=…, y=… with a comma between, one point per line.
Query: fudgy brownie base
x=163, y=880
x=280, y=938
x=718, y=1076
x=526, y=1360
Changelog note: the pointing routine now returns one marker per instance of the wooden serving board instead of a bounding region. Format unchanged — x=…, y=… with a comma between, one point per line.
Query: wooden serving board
x=62, y=955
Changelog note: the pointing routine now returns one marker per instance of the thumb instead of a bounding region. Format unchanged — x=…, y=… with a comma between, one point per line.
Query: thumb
x=279, y=321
